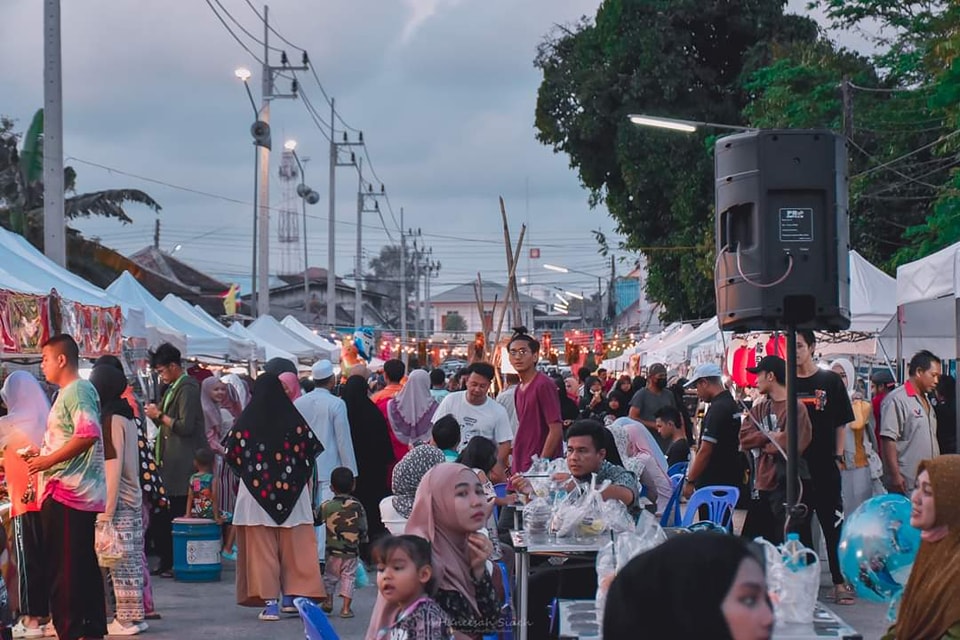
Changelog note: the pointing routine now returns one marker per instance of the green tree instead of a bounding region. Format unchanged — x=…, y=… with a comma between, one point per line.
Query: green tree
x=21, y=187
x=677, y=58
x=384, y=276
x=454, y=323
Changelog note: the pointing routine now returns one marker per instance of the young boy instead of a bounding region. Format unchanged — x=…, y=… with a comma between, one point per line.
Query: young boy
x=670, y=426
x=445, y=436
x=346, y=525
x=202, y=492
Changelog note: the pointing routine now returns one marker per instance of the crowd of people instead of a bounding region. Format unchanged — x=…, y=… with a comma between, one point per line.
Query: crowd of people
x=315, y=479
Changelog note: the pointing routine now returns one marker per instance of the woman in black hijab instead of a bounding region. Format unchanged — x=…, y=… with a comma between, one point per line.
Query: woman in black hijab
x=620, y=396
x=568, y=408
x=274, y=452
x=717, y=576
x=370, y=434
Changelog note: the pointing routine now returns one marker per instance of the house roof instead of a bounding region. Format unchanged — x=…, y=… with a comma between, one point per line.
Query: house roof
x=464, y=293
x=166, y=265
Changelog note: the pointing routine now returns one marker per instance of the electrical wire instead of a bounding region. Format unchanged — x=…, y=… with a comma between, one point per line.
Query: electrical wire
x=244, y=30
x=884, y=90
x=272, y=30
x=767, y=285
x=234, y=35
x=939, y=140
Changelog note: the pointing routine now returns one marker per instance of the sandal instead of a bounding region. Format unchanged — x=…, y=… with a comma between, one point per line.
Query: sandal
x=843, y=595
x=346, y=614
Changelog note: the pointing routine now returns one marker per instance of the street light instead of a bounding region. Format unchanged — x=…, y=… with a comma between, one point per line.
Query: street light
x=243, y=74
x=307, y=196
x=686, y=126
x=562, y=269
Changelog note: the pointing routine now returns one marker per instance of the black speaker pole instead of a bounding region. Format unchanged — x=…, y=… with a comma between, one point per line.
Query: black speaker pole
x=793, y=476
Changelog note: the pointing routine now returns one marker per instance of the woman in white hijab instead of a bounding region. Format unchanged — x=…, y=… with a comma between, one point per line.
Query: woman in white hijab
x=857, y=483
x=410, y=413
x=23, y=427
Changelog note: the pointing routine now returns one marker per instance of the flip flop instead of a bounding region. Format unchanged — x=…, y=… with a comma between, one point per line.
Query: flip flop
x=843, y=595
x=346, y=614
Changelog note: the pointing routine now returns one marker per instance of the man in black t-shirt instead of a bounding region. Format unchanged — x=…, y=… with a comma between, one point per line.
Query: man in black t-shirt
x=828, y=405
x=670, y=426
x=718, y=454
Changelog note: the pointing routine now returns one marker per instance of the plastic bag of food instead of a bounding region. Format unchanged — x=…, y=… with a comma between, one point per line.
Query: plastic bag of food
x=106, y=544
x=615, y=555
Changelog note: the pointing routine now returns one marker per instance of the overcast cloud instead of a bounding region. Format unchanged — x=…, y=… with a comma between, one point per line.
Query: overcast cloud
x=444, y=91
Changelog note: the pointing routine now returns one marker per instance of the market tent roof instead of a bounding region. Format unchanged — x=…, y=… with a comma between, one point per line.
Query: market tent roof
x=37, y=274
x=271, y=351
x=269, y=329
x=704, y=337
x=927, y=293
x=304, y=332
x=243, y=345
x=199, y=341
x=873, y=296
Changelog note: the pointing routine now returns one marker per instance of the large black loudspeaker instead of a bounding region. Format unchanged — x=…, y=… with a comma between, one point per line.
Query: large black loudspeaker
x=782, y=231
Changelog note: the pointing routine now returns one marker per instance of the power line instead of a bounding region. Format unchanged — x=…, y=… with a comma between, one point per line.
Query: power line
x=242, y=28
x=272, y=30
x=230, y=31
x=899, y=158
x=892, y=90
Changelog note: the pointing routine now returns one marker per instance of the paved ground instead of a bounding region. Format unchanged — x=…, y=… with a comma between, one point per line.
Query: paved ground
x=208, y=611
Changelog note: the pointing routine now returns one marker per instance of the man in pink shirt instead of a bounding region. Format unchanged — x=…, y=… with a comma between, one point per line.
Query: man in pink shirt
x=540, y=427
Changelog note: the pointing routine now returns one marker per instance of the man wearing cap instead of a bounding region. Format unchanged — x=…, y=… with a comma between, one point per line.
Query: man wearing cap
x=327, y=416
x=718, y=454
x=765, y=425
x=653, y=397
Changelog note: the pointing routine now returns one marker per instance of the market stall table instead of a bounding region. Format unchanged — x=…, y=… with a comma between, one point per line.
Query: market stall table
x=578, y=619
x=525, y=545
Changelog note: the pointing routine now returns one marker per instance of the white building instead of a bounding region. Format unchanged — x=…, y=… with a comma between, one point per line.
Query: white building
x=462, y=301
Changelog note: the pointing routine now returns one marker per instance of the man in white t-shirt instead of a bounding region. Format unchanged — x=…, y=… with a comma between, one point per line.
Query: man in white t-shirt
x=478, y=413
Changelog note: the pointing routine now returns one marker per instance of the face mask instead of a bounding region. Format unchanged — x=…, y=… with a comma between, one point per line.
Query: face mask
x=660, y=383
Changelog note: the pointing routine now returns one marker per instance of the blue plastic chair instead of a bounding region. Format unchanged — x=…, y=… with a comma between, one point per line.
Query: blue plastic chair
x=677, y=467
x=501, y=491
x=506, y=610
x=720, y=501
x=315, y=623
x=671, y=515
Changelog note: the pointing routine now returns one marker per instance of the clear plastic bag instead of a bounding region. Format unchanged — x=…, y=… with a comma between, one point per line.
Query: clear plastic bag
x=106, y=544
x=646, y=535
x=581, y=515
x=793, y=580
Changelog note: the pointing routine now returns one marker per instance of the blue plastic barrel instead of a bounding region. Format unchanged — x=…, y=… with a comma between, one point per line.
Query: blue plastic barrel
x=196, y=550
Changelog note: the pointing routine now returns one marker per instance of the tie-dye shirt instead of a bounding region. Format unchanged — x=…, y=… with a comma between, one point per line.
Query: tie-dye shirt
x=80, y=482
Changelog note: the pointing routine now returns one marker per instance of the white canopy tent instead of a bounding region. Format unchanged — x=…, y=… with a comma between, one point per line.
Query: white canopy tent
x=243, y=345
x=271, y=351
x=304, y=332
x=199, y=341
x=928, y=291
x=35, y=273
x=269, y=329
x=706, y=339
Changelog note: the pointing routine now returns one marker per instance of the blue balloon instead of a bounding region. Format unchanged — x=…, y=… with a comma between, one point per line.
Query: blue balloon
x=363, y=340
x=878, y=547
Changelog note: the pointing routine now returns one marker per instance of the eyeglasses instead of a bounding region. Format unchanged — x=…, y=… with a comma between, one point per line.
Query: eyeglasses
x=518, y=353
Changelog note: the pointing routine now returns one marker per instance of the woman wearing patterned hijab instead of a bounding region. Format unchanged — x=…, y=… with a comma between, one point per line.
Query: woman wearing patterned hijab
x=408, y=473
x=411, y=412
x=274, y=452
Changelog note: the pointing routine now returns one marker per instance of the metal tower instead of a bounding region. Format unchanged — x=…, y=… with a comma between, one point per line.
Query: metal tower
x=288, y=227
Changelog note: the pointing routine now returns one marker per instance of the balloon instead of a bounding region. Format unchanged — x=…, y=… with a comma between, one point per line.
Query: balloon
x=878, y=547
x=364, y=342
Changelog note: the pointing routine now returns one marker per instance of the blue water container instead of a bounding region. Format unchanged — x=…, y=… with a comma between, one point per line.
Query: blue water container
x=196, y=550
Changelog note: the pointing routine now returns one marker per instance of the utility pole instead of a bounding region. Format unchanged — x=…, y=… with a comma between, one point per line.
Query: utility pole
x=847, y=94
x=331, y=216
x=263, y=219
x=54, y=225
x=403, y=280
x=433, y=268
x=362, y=207
x=417, y=249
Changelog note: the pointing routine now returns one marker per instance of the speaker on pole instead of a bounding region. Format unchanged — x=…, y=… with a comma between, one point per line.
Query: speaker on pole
x=782, y=230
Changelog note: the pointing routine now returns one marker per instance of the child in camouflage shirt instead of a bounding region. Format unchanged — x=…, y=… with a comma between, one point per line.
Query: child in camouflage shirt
x=345, y=522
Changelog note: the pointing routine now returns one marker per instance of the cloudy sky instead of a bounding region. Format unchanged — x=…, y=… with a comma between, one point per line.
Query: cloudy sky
x=444, y=91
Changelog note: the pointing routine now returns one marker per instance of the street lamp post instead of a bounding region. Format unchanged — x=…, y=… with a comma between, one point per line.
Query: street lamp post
x=243, y=74
x=560, y=269
x=307, y=196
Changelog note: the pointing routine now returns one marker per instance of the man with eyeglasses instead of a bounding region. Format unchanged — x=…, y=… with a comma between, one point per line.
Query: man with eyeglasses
x=539, y=425
x=182, y=432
